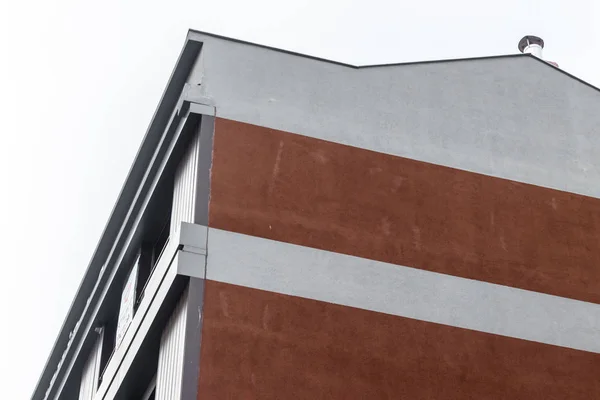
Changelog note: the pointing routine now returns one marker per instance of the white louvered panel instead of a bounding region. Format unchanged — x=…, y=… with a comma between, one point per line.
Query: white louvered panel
x=91, y=372
x=185, y=186
x=169, y=376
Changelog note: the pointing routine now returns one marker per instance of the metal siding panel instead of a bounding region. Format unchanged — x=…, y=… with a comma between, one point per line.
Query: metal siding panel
x=184, y=191
x=203, y=168
x=171, y=354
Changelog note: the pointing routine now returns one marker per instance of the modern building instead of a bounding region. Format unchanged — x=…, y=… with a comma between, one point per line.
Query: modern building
x=296, y=228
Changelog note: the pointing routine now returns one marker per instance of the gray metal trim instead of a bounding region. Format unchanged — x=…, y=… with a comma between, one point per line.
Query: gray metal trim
x=193, y=235
x=207, y=131
x=193, y=33
x=342, y=64
x=158, y=285
x=193, y=338
x=80, y=340
x=118, y=217
x=119, y=253
x=188, y=264
x=162, y=284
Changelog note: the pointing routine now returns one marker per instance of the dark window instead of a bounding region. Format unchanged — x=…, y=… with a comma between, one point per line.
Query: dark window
x=151, y=249
x=108, y=342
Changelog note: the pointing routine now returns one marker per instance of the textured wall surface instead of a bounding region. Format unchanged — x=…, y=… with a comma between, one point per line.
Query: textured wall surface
x=515, y=118
x=463, y=197
x=394, y=289
x=326, y=327
x=262, y=345
x=334, y=197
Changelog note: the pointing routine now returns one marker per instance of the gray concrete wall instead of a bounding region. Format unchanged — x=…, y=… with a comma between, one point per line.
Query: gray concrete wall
x=514, y=117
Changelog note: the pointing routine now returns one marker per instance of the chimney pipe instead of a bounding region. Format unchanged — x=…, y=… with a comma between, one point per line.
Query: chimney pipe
x=531, y=45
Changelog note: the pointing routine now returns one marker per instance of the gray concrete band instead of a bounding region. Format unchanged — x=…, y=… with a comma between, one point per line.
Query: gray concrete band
x=398, y=290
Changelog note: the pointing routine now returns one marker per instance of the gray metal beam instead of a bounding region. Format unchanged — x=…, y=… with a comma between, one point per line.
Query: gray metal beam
x=193, y=338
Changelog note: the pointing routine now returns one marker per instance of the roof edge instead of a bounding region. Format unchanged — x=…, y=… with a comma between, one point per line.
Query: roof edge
x=586, y=83
x=193, y=32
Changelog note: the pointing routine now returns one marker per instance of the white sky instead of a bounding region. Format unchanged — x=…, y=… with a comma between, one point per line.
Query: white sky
x=79, y=82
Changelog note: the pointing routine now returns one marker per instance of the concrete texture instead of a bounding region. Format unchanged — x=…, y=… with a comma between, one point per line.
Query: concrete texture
x=515, y=118
x=398, y=290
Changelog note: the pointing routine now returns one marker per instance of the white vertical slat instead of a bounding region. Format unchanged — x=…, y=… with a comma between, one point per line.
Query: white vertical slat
x=169, y=376
x=185, y=186
x=91, y=372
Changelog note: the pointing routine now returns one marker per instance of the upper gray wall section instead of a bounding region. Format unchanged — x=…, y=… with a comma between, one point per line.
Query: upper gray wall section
x=511, y=117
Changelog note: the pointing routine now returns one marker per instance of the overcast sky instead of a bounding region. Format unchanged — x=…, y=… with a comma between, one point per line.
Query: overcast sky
x=79, y=82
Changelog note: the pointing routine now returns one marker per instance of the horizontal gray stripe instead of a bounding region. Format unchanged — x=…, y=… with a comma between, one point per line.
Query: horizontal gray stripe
x=513, y=118
x=397, y=290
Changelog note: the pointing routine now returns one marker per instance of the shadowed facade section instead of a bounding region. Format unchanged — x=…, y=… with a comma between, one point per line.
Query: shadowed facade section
x=325, y=195
x=263, y=345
